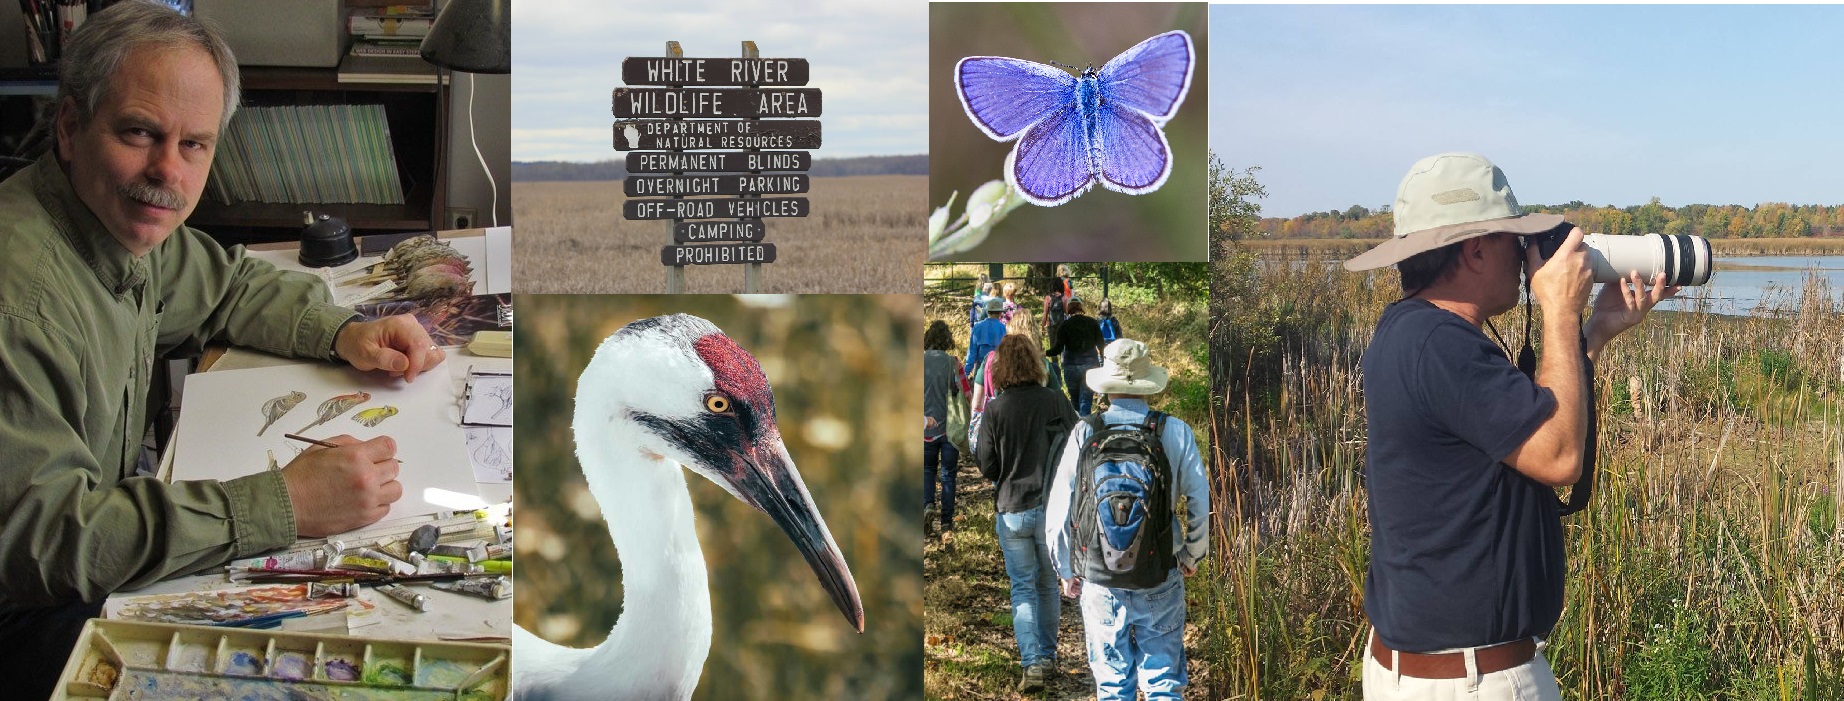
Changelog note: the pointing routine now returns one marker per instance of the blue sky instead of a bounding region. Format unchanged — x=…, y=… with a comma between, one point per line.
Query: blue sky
x=869, y=58
x=1605, y=104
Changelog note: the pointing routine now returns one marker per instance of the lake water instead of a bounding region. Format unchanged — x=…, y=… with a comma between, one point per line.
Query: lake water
x=1776, y=278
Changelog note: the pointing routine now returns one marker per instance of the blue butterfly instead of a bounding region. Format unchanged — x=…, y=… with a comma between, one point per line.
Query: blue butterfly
x=1072, y=132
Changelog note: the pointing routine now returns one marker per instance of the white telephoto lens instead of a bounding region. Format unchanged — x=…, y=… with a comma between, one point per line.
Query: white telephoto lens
x=1683, y=258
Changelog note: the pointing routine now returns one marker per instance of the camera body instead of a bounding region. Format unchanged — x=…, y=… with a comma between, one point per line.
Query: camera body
x=1683, y=258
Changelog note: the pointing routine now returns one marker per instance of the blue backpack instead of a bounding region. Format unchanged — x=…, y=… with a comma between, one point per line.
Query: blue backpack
x=1121, y=523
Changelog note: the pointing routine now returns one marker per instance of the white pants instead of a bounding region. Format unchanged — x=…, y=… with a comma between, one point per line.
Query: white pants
x=1531, y=681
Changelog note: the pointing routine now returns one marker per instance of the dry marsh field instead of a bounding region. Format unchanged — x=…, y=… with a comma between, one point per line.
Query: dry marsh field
x=865, y=235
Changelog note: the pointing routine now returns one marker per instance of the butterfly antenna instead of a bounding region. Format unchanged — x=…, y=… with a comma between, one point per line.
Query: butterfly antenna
x=1063, y=66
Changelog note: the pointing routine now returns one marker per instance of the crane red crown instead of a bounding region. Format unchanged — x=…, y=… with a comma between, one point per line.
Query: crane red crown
x=735, y=372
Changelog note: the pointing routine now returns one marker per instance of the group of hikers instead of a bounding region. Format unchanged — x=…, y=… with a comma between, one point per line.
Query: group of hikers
x=1089, y=501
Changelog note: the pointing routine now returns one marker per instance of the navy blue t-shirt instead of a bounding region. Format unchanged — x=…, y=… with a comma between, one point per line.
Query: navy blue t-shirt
x=1464, y=550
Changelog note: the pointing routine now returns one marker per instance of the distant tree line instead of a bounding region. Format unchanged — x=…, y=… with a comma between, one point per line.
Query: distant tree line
x=537, y=171
x=1766, y=220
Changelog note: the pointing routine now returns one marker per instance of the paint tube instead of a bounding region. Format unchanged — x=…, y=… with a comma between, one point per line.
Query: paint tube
x=363, y=564
x=326, y=590
x=499, y=551
x=397, y=566
x=439, y=564
x=473, y=551
x=406, y=597
x=493, y=588
x=298, y=560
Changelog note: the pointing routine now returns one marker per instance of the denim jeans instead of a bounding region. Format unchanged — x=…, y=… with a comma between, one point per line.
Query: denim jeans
x=940, y=451
x=1034, y=584
x=1075, y=380
x=1531, y=681
x=1136, y=639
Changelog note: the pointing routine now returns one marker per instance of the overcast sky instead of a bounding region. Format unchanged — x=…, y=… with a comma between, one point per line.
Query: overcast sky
x=868, y=58
x=1605, y=104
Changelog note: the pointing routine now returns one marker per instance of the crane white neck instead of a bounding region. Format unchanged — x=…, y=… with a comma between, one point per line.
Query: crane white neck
x=664, y=632
x=657, y=648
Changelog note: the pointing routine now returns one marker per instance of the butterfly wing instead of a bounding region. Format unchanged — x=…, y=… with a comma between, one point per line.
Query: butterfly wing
x=1050, y=164
x=1151, y=77
x=1134, y=155
x=1003, y=96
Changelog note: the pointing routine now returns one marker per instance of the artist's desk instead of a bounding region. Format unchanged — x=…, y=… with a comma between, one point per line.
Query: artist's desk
x=450, y=615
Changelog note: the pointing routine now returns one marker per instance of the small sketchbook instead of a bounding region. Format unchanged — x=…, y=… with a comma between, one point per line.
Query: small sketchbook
x=486, y=411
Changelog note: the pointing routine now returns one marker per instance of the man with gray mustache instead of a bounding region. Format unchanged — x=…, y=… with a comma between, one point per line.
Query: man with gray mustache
x=99, y=278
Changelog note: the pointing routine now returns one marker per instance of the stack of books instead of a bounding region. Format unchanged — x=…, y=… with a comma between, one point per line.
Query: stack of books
x=385, y=45
x=307, y=153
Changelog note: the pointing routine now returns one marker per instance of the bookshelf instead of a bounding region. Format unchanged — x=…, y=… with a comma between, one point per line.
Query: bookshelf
x=418, y=117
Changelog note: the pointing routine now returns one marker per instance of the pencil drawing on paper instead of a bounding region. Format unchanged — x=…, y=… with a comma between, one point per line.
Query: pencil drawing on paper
x=338, y=405
x=492, y=459
x=375, y=415
x=500, y=401
x=275, y=408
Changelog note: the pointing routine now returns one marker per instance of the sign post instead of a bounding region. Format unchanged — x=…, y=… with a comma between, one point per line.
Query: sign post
x=757, y=111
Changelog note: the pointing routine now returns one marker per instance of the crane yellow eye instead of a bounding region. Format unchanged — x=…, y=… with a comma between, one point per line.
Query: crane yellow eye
x=717, y=403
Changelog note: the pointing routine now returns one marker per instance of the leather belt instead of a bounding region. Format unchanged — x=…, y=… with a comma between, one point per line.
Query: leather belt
x=1452, y=665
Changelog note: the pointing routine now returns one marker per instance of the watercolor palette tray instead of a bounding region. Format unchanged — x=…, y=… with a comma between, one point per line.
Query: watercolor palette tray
x=131, y=660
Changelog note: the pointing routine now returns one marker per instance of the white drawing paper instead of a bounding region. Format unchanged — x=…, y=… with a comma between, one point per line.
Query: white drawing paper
x=490, y=449
x=222, y=412
x=489, y=401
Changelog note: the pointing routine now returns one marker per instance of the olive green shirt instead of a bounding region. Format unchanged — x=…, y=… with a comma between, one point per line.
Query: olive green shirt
x=81, y=322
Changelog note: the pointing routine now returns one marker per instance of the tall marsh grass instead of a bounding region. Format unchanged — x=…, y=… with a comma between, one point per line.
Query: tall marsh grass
x=1709, y=565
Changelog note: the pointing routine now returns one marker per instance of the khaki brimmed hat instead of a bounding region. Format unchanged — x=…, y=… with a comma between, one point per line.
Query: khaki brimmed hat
x=1125, y=369
x=995, y=304
x=1447, y=198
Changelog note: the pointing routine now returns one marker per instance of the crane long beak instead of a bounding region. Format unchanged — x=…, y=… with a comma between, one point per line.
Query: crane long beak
x=774, y=487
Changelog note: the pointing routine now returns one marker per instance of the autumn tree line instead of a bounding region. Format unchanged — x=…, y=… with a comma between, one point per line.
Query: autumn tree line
x=1766, y=220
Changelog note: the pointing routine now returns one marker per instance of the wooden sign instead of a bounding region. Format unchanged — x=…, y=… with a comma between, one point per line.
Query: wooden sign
x=716, y=103
x=643, y=70
x=741, y=208
x=722, y=162
x=714, y=231
x=651, y=134
x=718, y=255
x=676, y=185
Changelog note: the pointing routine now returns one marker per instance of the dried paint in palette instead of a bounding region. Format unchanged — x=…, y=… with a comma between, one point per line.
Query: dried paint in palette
x=167, y=662
x=292, y=666
x=387, y=674
x=170, y=686
x=342, y=670
x=244, y=664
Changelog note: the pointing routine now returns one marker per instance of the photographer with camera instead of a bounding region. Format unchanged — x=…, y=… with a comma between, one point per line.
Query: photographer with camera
x=1465, y=450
